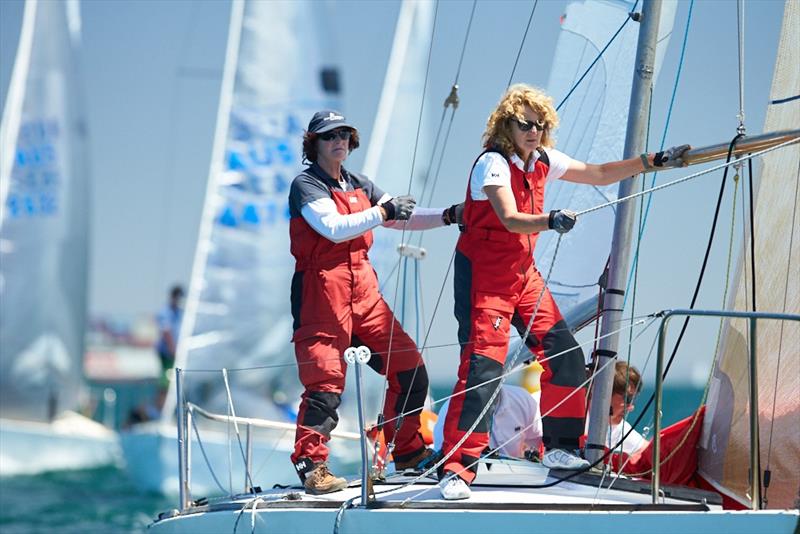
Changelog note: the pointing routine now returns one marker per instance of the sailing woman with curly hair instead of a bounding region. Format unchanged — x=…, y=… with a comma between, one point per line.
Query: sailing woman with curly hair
x=497, y=285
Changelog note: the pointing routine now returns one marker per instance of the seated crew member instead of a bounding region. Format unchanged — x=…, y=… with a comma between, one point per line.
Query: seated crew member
x=336, y=302
x=621, y=405
x=497, y=285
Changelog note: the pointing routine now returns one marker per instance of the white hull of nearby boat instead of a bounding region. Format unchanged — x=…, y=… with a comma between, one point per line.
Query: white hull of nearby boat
x=504, y=491
x=71, y=441
x=151, y=458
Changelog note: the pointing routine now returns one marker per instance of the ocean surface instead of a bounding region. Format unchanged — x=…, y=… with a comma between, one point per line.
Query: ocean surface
x=104, y=500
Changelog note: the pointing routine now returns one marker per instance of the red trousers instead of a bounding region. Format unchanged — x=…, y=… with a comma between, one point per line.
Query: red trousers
x=340, y=307
x=488, y=302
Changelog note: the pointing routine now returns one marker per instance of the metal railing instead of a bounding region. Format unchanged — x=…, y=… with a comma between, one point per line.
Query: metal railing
x=755, y=472
x=186, y=410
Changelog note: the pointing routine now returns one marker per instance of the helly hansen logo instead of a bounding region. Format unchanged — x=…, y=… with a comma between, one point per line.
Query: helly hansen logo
x=333, y=117
x=497, y=322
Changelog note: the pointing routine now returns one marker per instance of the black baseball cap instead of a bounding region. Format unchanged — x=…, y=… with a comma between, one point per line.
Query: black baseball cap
x=326, y=120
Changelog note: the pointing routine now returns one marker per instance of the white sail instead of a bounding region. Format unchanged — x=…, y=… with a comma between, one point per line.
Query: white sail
x=390, y=164
x=44, y=228
x=724, y=457
x=593, y=123
x=237, y=313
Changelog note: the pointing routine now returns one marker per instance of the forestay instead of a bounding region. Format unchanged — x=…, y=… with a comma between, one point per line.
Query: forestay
x=593, y=124
x=725, y=442
x=44, y=229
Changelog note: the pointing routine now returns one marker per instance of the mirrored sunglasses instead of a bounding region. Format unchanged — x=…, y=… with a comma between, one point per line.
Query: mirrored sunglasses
x=526, y=126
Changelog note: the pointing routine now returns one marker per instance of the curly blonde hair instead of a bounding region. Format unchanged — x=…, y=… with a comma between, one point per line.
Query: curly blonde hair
x=512, y=107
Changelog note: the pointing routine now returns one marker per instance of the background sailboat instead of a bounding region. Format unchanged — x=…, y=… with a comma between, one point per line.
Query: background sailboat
x=725, y=442
x=44, y=197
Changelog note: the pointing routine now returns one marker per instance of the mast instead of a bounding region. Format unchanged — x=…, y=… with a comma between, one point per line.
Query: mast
x=614, y=296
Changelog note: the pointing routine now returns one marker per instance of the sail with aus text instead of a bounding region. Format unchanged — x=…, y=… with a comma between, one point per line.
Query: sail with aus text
x=237, y=312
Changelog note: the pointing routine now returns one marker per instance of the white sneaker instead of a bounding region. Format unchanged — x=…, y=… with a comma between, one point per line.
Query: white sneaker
x=453, y=488
x=561, y=459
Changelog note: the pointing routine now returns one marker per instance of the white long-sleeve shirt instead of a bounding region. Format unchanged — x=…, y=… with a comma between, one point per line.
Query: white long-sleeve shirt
x=325, y=219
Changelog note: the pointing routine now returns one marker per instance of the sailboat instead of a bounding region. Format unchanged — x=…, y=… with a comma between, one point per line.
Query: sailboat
x=508, y=494
x=44, y=196
x=275, y=78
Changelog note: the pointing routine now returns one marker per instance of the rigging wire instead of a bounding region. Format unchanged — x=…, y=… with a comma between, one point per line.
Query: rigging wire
x=664, y=133
x=600, y=55
x=522, y=43
x=686, y=178
x=740, y=34
x=410, y=182
x=451, y=100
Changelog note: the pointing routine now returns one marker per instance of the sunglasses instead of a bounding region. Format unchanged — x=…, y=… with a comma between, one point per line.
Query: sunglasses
x=344, y=135
x=526, y=126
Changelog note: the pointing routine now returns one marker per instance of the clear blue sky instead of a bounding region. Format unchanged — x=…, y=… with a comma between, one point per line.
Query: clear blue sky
x=152, y=74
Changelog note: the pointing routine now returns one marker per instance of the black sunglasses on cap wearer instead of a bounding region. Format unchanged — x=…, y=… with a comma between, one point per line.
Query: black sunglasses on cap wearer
x=342, y=134
x=526, y=126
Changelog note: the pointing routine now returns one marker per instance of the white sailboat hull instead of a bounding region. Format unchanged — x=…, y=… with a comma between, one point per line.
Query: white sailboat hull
x=151, y=459
x=502, y=498
x=71, y=441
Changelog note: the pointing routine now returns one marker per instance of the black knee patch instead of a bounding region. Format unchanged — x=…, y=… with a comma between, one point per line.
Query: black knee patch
x=530, y=341
x=568, y=368
x=297, y=298
x=320, y=414
x=415, y=391
x=481, y=370
x=462, y=296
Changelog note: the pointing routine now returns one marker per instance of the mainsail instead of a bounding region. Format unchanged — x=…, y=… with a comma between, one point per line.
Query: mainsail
x=44, y=227
x=237, y=313
x=725, y=445
x=593, y=123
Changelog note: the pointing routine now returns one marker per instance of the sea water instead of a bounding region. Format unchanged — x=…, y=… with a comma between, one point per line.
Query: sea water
x=105, y=501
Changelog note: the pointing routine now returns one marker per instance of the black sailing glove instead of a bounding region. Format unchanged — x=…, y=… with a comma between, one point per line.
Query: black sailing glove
x=454, y=214
x=671, y=157
x=562, y=221
x=399, y=208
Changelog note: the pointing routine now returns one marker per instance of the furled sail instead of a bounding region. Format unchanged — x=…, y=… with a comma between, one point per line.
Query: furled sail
x=44, y=227
x=237, y=313
x=593, y=125
x=724, y=458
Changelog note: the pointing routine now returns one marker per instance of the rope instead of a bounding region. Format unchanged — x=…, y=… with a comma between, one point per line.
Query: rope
x=578, y=389
x=600, y=55
x=522, y=43
x=689, y=177
x=205, y=457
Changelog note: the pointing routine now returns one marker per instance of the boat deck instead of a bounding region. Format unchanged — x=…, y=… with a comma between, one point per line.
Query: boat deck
x=508, y=487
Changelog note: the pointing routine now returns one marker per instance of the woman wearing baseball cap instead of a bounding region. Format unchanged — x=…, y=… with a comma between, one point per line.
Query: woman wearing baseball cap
x=336, y=302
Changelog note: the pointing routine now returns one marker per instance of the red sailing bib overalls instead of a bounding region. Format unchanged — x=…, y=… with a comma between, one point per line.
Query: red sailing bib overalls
x=336, y=303
x=496, y=285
